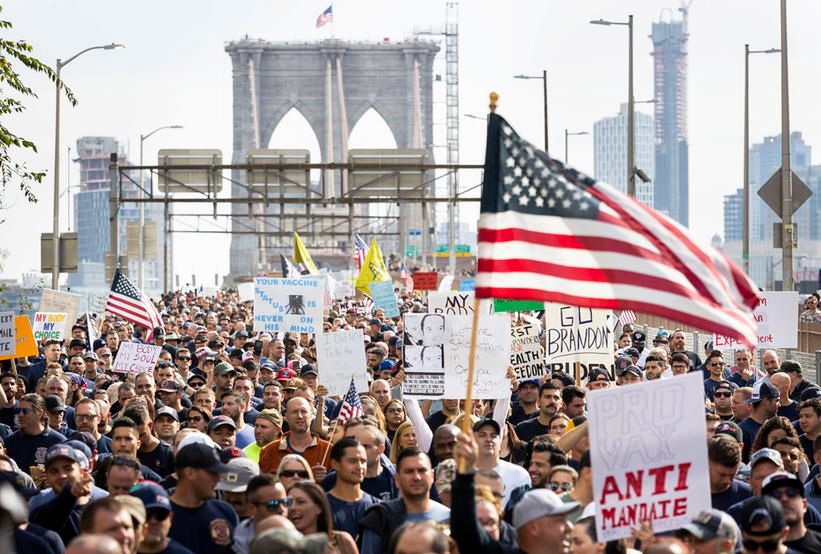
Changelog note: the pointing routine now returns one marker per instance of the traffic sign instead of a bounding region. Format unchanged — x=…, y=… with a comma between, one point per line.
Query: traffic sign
x=411, y=251
x=415, y=232
x=771, y=192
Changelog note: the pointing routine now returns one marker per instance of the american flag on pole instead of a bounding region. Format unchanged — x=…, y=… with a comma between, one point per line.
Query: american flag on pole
x=626, y=317
x=360, y=250
x=550, y=233
x=325, y=17
x=351, y=406
x=128, y=302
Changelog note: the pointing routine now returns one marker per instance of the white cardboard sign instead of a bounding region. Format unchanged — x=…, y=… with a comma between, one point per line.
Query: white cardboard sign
x=776, y=315
x=649, y=455
x=135, y=357
x=49, y=326
x=341, y=355
x=8, y=336
x=580, y=335
x=289, y=305
x=526, y=353
x=56, y=301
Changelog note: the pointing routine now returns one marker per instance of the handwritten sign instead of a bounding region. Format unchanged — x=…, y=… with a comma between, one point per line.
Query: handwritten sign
x=451, y=303
x=135, y=357
x=7, y=334
x=245, y=291
x=292, y=304
x=648, y=455
x=776, y=319
x=49, y=326
x=500, y=305
x=578, y=335
x=424, y=355
x=425, y=280
x=340, y=355
x=526, y=354
x=384, y=297
x=24, y=339
x=492, y=356
x=56, y=301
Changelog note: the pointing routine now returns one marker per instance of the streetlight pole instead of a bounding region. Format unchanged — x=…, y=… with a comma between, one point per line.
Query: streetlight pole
x=631, y=164
x=569, y=134
x=141, y=256
x=786, y=170
x=746, y=205
x=55, y=235
x=543, y=77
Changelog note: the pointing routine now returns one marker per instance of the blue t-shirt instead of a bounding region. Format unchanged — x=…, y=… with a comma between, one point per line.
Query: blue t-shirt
x=28, y=450
x=104, y=445
x=245, y=437
x=381, y=488
x=749, y=429
x=737, y=492
x=346, y=515
x=790, y=412
x=208, y=529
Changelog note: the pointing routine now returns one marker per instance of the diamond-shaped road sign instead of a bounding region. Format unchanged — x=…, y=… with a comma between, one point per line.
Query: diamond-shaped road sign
x=771, y=192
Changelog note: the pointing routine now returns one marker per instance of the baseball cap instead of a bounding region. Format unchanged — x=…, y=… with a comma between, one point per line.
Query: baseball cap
x=288, y=540
x=712, y=524
x=241, y=335
x=384, y=365
x=810, y=392
x=247, y=356
x=781, y=479
x=537, y=503
x=638, y=336
x=98, y=343
x=487, y=421
x=632, y=369
x=224, y=368
x=597, y=373
x=65, y=451
x=153, y=496
x=731, y=429
x=534, y=382
x=172, y=336
x=241, y=471
x=294, y=383
x=170, y=385
x=768, y=454
x=563, y=377
x=54, y=404
x=90, y=356
x=219, y=421
x=165, y=410
x=726, y=385
x=228, y=453
x=196, y=376
x=709, y=345
x=375, y=321
x=200, y=456
x=762, y=390
x=760, y=516
x=285, y=374
x=308, y=369
x=631, y=352
x=83, y=449
x=272, y=415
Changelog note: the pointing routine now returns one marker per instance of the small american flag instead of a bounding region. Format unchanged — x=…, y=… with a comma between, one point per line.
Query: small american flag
x=550, y=233
x=288, y=269
x=128, y=302
x=325, y=17
x=406, y=276
x=626, y=317
x=351, y=406
x=360, y=250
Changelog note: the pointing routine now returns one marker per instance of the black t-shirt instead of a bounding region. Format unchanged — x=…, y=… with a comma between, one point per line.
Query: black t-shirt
x=749, y=429
x=8, y=416
x=810, y=543
x=790, y=412
x=175, y=548
x=436, y=420
x=346, y=515
x=381, y=488
x=531, y=428
x=160, y=460
x=518, y=415
x=28, y=450
x=208, y=529
x=807, y=445
x=737, y=492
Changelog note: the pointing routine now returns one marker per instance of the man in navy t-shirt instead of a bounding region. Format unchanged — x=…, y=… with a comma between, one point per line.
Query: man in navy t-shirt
x=765, y=405
x=724, y=456
x=348, y=501
x=29, y=445
x=201, y=523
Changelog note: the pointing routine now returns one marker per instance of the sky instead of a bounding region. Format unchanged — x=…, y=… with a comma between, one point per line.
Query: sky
x=174, y=70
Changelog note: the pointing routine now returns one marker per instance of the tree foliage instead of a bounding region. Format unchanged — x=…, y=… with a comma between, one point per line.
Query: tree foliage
x=13, y=54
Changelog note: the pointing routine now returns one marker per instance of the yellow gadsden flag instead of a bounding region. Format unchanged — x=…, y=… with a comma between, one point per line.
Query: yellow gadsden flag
x=373, y=270
x=301, y=256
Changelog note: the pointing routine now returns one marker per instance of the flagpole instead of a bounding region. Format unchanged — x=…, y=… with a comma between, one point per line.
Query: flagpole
x=474, y=332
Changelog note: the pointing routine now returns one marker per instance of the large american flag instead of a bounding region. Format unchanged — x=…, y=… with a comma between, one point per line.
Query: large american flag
x=550, y=233
x=325, y=17
x=351, y=406
x=360, y=250
x=128, y=302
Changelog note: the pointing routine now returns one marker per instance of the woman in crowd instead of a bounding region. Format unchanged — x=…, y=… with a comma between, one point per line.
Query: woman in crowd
x=405, y=436
x=513, y=449
x=371, y=407
x=774, y=428
x=562, y=479
x=293, y=468
x=394, y=417
x=198, y=418
x=311, y=513
x=583, y=540
x=557, y=425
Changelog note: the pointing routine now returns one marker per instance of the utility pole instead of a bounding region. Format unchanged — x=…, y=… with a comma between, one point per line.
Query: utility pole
x=786, y=172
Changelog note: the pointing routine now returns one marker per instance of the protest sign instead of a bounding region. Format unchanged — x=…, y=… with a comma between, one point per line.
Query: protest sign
x=577, y=336
x=245, y=291
x=500, y=305
x=96, y=301
x=492, y=356
x=8, y=343
x=292, y=304
x=425, y=280
x=424, y=355
x=467, y=284
x=24, y=339
x=135, y=357
x=49, y=326
x=384, y=297
x=648, y=455
x=445, y=285
x=526, y=354
x=340, y=355
x=776, y=319
x=451, y=303
x=55, y=301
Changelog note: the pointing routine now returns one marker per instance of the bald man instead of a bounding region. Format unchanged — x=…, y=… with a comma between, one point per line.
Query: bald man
x=298, y=440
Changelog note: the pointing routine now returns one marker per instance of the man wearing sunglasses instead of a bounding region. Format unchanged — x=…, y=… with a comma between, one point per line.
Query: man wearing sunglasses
x=266, y=497
x=763, y=526
x=723, y=400
x=158, y=521
x=788, y=489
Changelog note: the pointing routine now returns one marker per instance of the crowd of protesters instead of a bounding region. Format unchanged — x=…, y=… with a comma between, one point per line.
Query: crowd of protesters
x=232, y=444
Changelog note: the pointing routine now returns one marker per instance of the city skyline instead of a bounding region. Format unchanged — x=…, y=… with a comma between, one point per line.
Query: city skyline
x=185, y=89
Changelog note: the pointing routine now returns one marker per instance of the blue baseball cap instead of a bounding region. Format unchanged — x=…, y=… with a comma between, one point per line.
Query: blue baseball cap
x=153, y=496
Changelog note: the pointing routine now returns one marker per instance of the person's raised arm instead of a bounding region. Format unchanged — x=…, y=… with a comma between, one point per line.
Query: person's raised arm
x=571, y=438
x=423, y=433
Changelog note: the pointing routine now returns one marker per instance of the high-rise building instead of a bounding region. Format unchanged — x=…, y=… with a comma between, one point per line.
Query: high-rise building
x=610, y=152
x=91, y=211
x=765, y=159
x=671, y=185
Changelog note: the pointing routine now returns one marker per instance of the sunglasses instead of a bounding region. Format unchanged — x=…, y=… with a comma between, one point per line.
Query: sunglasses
x=556, y=487
x=768, y=546
x=277, y=505
x=722, y=394
x=195, y=384
x=782, y=493
x=125, y=463
x=196, y=419
x=301, y=473
x=184, y=359
x=25, y=411
x=716, y=364
x=159, y=515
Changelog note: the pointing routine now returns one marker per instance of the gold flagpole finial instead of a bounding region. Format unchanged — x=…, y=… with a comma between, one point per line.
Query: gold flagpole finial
x=494, y=99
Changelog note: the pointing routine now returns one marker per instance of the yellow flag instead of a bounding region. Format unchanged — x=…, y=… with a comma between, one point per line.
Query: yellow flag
x=301, y=256
x=373, y=270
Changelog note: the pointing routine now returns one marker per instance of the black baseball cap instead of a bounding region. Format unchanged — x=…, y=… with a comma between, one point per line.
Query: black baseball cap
x=810, y=392
x=597, y=373
x=731, y=429
x=487, y=421
x=308, y=369
x=200, y=456
x=781, y=479
x=760, y=516
x=763, y=390
x=54, y=404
